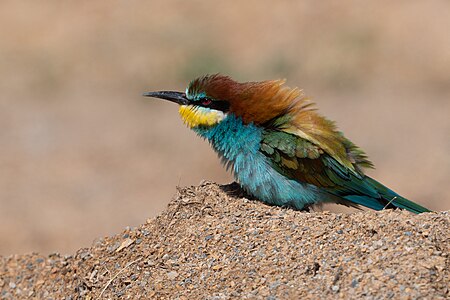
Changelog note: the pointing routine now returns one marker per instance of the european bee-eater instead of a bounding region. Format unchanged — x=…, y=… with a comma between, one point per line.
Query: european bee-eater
x=279, y=148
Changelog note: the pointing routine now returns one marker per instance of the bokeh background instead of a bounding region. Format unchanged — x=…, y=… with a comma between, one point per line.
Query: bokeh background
x=83, y=155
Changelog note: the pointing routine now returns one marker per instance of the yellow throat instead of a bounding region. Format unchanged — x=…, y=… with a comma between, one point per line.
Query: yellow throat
x=195, y=116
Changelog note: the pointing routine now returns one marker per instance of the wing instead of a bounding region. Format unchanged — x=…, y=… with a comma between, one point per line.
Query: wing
x=304, y=161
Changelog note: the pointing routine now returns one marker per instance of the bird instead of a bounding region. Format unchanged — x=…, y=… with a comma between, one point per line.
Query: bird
x=279, y=148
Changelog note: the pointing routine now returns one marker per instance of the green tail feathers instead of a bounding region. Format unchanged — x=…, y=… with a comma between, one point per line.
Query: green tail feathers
x=378, y=197
x=404, y=203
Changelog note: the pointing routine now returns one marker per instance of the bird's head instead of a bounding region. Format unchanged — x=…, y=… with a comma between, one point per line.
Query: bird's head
x=209, y=99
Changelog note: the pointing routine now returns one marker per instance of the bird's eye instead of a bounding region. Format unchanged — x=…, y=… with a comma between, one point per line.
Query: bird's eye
x=206, y=101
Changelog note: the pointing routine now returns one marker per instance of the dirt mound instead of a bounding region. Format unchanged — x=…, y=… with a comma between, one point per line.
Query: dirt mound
x=209, y=244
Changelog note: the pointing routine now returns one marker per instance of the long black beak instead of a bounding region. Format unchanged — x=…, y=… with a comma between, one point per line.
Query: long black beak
x=176, y=97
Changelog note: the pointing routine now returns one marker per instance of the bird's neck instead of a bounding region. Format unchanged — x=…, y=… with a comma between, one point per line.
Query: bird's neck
x=231, y=137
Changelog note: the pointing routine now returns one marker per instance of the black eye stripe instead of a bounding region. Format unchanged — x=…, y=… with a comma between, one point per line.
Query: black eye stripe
x=220, y=105
x=213, y=104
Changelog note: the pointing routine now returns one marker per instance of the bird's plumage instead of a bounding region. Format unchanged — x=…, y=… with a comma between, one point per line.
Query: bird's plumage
x=279, y=148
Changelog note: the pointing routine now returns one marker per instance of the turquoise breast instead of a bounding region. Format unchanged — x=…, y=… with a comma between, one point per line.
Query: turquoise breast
x=238, y=146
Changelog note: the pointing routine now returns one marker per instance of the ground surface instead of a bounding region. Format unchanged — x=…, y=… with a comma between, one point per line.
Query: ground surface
x=210, y=244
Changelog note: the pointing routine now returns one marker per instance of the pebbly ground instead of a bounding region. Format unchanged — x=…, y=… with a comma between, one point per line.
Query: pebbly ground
x=209, y=244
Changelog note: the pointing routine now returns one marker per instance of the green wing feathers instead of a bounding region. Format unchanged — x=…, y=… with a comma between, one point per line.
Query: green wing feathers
x=301, y=160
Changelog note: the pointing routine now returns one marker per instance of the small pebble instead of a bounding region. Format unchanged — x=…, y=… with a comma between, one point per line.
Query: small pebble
x=172, y=275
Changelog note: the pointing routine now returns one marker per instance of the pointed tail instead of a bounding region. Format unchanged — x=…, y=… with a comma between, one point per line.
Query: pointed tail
x=386, y=198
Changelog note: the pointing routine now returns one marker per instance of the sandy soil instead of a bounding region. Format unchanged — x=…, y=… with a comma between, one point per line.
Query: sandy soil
x=210, y=244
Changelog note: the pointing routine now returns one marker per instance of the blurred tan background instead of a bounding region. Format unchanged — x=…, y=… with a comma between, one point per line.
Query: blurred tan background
x=83, y=155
